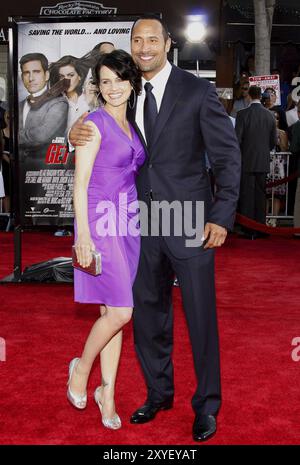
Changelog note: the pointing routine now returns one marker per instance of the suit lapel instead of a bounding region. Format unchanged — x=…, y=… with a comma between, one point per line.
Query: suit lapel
x=171, y=95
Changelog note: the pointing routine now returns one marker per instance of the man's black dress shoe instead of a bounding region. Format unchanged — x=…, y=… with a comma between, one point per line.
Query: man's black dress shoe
x=148, y=411
x=204, y=427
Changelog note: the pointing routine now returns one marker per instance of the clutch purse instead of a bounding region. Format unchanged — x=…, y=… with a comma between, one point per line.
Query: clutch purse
x=94, y=268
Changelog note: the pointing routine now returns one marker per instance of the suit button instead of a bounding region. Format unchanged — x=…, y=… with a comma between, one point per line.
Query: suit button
x=150, y=165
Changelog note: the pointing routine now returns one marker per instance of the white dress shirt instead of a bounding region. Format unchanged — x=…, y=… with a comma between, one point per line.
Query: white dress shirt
x=291, y=116
x=76, y=109
x=159, y=82
x=26, y=107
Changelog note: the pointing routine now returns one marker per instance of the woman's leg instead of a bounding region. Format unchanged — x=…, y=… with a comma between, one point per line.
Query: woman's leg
x=109, y=362
x=107, y=326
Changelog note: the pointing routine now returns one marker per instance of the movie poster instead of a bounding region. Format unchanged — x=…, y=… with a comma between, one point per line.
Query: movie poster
x=264, y=82
x=56, y=85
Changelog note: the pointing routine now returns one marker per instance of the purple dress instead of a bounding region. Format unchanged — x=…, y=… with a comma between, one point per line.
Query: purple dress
x=112, y=206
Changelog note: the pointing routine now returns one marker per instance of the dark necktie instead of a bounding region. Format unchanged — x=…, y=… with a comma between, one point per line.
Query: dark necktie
x=150, y=112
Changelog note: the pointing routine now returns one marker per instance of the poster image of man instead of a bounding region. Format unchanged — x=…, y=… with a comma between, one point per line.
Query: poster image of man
x=43, y=114
x=42, y=121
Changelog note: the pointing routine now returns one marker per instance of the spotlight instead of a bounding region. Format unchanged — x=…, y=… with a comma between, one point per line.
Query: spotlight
x=196, y=29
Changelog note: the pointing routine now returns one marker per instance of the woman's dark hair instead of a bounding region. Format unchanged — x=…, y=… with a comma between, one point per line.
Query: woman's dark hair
x=282, y=123
x=98, y=46
x=270, y=90
x=121, y=63
x=68, y=60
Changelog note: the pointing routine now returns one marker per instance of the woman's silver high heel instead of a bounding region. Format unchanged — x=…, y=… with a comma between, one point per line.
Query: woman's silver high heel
x=112, y=423
x=75, y=399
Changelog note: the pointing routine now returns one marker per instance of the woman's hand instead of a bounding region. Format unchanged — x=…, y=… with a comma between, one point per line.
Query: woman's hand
x=84, y=246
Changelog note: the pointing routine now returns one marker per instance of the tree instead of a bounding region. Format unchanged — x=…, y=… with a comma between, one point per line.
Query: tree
x=263, y=11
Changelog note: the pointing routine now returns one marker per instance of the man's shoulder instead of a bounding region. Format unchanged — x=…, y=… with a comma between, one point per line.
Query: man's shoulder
x=258, y=107
x=243, y=112
x=56, y=103
x=58, y=100
x=190, y=79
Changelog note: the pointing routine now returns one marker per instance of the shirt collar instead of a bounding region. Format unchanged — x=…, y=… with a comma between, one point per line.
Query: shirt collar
x=40, y=92
x=160, y=79
x=255, y=101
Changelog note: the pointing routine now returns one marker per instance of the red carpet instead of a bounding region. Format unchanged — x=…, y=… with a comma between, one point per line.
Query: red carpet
x=258, y=306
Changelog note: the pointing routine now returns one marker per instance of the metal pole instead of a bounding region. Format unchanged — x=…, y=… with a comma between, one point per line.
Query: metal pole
x=197, y=65
x=18, y=253
x=175, y=56
x=287, y=184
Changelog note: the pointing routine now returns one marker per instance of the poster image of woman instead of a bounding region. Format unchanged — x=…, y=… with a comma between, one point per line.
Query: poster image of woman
x=72, y=68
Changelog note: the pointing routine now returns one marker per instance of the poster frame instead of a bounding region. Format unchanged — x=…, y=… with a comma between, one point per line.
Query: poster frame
x=14, y=21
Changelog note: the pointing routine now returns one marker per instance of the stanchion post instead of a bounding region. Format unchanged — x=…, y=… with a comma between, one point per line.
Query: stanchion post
x=287, y=184
x=17, y=253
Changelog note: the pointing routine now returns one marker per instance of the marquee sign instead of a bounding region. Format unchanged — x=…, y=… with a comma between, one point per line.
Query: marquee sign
x=77, y=9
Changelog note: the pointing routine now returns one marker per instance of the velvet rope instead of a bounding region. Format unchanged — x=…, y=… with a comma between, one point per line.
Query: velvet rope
x=289, y=178
x=277, y=231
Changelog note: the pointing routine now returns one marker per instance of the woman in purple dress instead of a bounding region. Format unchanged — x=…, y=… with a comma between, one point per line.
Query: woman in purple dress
x=106, y=220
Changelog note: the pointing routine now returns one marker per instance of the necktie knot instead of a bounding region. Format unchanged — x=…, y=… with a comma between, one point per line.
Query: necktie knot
x=148, y=87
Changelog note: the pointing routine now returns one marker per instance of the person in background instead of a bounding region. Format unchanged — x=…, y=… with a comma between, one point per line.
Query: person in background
x=271, y=105
x=6, y=159
x=242, y=101
x=3, y=105
x=292, y=112
x=2, y=191
x=250, y=65
x=295, y=149
x=256, y=131
x=277, y=171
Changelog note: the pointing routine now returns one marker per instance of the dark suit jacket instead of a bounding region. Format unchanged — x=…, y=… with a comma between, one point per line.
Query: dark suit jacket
x=191, y=121
x=295, y=144
x=256, y=131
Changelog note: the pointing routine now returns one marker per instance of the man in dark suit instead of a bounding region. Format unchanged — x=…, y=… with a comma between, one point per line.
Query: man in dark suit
x=179, y=117
x=256, y=131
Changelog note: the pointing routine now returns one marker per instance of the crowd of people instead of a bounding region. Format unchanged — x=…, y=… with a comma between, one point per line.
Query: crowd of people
x=271, y=143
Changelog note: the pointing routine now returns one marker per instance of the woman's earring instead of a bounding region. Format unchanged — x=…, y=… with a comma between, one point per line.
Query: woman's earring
x=132, y=105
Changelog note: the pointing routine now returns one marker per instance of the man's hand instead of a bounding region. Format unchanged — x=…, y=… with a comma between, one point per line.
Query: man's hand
x=216, y=235
x=80, y=132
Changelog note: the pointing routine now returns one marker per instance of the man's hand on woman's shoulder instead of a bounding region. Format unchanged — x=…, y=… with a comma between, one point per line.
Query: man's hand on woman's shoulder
x=80, y=132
